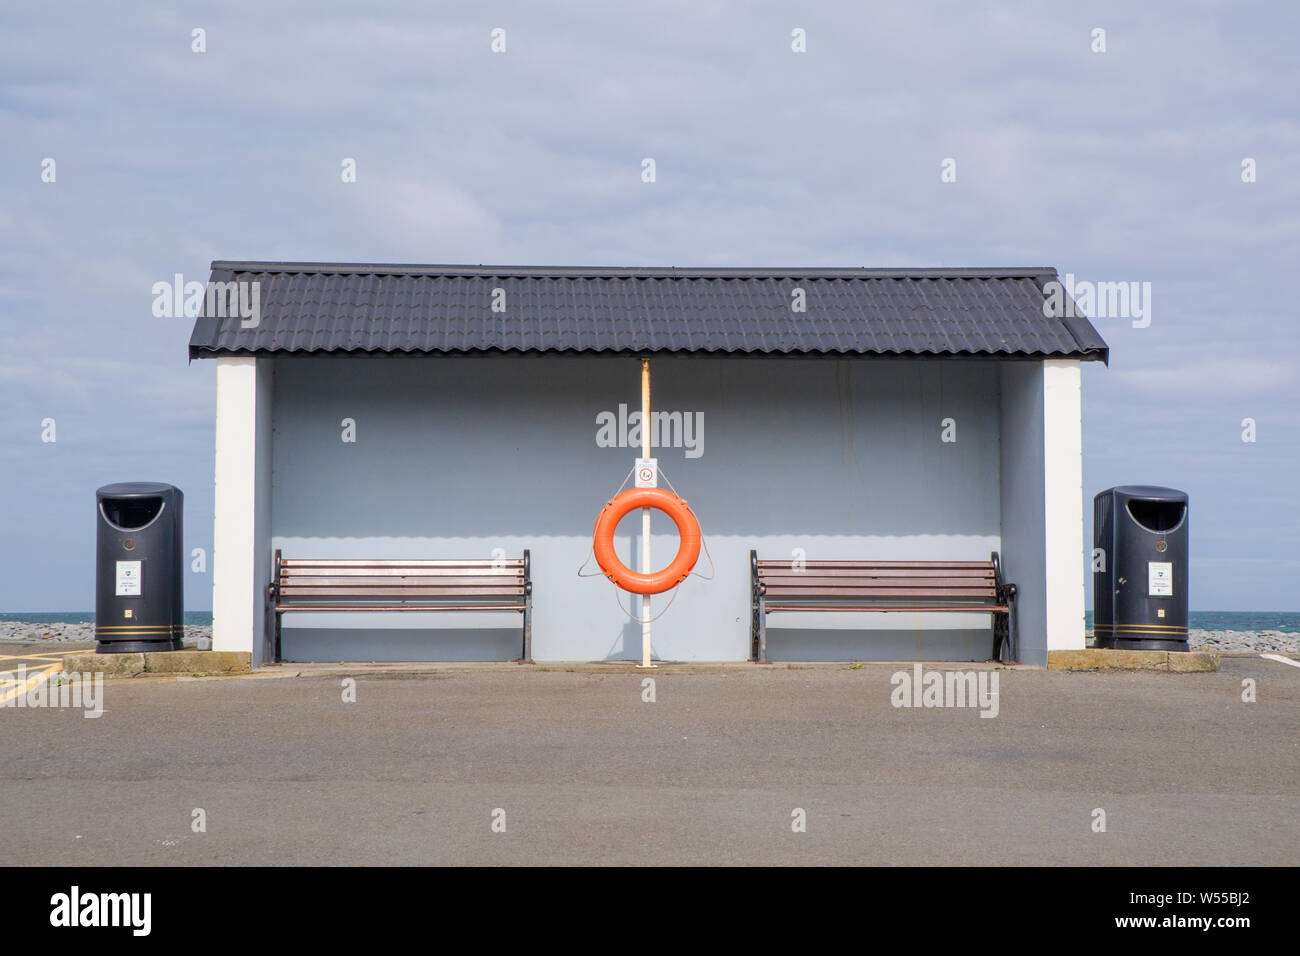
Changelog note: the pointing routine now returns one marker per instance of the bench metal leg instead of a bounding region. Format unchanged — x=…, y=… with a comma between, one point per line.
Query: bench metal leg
x=527, y=657
x=267, y=649
x=757, y=614
x=528, y=629
x=273, y=598
x=1002, y=642
x=1013, y=628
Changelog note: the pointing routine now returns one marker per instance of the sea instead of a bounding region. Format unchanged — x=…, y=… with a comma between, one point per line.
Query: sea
x=200, y=618
x=1288, y=622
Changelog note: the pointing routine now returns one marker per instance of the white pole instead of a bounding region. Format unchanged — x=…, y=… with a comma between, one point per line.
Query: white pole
x=645, y=514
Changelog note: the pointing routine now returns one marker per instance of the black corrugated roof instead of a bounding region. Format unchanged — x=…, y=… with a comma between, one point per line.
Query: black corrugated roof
x=333, y=307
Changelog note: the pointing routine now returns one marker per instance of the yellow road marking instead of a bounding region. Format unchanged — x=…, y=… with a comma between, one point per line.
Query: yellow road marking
x=51, y=656
x=34, y=680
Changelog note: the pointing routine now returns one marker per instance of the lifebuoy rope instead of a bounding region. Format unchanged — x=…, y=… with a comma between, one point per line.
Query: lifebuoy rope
x=636, y=617
x=704, y=544
x=591, y=552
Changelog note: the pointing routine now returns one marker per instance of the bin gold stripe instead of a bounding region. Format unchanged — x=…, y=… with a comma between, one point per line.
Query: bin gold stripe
x=139, y=627
x=138, y=630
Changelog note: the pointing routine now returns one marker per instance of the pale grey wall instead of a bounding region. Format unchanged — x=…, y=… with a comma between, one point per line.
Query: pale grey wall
x=1024, y=553
x=456, y=456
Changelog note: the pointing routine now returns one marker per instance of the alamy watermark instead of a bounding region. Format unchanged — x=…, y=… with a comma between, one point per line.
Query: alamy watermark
x=234, y=299
x=82, y=691
x=667, y=430
x=75, y=908
x=1098, y=300
x=946, y=689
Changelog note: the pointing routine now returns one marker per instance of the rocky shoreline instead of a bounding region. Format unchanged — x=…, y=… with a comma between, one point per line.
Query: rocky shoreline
x=57, y=632
x=1240, y=642
x=1229, y=642
x=1253, y=642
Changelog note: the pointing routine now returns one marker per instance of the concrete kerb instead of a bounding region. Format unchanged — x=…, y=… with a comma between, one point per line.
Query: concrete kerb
x=234, y=664
x=1107, y=659
x=661, y=668
x=160, y=663
x=191, y=664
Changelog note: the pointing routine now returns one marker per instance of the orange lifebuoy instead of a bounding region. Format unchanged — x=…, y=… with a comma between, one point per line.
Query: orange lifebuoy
x=688, y=530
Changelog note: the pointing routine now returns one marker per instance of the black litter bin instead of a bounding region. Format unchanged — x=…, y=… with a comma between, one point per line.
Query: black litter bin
x=139, y=591
x=1139, y=594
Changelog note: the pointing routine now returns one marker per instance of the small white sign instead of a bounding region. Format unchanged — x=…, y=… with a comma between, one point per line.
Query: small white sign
x=128, y=579
x=647, y=472
x=1160, y=579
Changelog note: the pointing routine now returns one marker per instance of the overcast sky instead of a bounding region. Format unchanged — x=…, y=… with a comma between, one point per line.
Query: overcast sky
x=1123, y=165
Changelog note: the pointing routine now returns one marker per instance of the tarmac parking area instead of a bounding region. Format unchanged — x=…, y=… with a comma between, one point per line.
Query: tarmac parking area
x=552, y=767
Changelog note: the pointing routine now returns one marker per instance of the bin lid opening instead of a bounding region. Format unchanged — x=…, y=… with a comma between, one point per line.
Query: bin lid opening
x=131, y=514
x=1157, y=516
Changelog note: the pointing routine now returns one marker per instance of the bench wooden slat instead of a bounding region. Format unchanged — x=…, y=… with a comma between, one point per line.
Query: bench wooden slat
x=863, y=565
x=293, y=571
x=817, y=580
x=365, y=584
x=977, y=574
x=399, y=563
x=934, y=608
x=890, y=592
x=379, y=592
x=772, y=587
x=400, y=607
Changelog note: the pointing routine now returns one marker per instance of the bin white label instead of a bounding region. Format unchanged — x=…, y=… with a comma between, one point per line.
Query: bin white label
x=128, y=579
x=1160, y=579
x=647, y=472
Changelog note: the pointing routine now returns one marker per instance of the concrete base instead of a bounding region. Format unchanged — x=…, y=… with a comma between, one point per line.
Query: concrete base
x=661, y=669
x=240, y=662
x=1105, y=659
x=161, y=662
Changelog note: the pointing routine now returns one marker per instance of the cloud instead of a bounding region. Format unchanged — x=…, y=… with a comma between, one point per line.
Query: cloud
x=1219, y=376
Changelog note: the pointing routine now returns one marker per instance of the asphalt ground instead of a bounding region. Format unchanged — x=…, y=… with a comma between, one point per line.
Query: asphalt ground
x=581, y=770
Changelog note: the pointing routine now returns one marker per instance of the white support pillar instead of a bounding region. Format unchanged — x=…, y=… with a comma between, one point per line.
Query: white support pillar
x=241, y=536
x=1063, y=504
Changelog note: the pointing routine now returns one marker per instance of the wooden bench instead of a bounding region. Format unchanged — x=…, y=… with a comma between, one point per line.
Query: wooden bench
x=958, y=586
x=487, y=584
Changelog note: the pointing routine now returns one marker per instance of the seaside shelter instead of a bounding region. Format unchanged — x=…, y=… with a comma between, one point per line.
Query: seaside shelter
x=447, y=413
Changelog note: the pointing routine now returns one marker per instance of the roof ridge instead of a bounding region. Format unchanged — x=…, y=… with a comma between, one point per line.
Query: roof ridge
x=681, y=272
